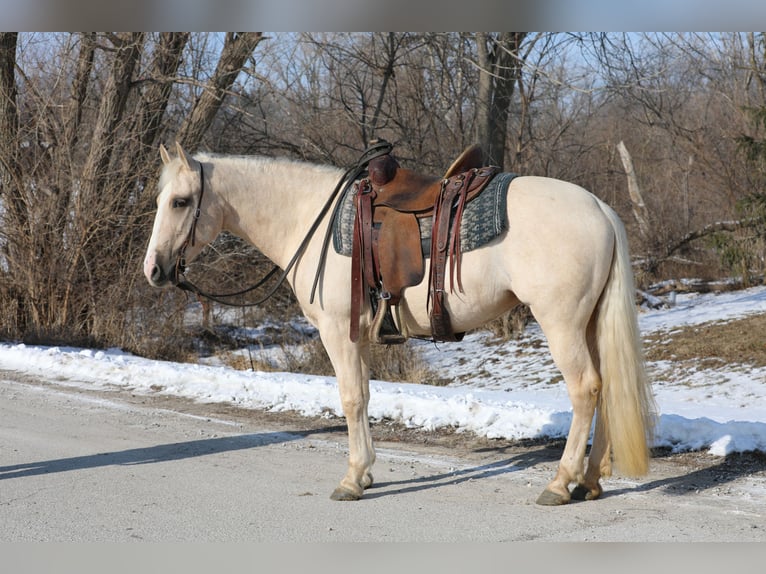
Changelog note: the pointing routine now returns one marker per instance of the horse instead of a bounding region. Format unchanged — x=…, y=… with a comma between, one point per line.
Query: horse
x=564, y=254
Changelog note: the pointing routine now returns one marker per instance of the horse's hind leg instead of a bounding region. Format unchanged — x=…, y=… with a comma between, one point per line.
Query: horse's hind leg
x=569, y=349
x=599, y=464
x=599, y=460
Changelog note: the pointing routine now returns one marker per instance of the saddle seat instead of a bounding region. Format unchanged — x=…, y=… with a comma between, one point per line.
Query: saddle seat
x=387, y=241
x=411, y=192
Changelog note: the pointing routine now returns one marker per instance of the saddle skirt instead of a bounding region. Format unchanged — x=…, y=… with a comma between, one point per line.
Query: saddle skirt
x=484, y=219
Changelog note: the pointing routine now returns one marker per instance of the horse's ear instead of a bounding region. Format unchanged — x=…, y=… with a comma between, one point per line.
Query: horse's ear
x=185, y=157
x=164, y=155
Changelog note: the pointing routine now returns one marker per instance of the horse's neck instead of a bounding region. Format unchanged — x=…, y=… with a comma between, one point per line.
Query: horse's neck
x=272, y=203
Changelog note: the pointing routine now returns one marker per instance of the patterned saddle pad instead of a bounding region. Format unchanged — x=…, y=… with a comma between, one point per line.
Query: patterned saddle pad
x=484, y=219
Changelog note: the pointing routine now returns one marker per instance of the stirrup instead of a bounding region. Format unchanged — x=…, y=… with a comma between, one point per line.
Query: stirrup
x=383, y=331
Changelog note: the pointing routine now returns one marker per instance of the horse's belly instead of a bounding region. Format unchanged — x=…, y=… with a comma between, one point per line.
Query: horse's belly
x=486, y=295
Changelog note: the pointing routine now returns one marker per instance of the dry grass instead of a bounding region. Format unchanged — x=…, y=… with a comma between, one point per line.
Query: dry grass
x=402, y=363
x=708, y=344
x=738, y=341
x=397, y=363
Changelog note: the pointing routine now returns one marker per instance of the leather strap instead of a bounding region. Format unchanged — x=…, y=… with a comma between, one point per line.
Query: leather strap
x=362, y=264
x=365, y=198
x=357, y=287
x=452, y=190
x=455, y=251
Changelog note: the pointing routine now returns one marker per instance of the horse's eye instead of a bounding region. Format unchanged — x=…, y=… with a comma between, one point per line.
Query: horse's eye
x=180, y=202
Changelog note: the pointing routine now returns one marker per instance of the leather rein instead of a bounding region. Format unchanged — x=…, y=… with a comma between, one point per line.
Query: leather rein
x=352, y=174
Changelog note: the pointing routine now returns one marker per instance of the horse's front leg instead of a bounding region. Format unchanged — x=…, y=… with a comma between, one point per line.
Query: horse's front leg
x=351, y=363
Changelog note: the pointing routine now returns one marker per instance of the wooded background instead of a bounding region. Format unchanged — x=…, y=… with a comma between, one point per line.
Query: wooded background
x=669, y=129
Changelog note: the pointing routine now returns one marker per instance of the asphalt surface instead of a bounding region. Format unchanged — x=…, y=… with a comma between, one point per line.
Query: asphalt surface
x=89, y=466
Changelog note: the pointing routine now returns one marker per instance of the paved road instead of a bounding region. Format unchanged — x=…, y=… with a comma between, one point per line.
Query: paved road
x=84, y=466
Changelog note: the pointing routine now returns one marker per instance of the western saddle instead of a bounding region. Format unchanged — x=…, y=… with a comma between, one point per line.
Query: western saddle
x=387, y=255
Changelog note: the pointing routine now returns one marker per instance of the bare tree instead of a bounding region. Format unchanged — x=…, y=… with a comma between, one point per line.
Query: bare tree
x=79, y=151
x=500, y=65
x=237, y=49
x=127, y=52
x=634, y=190
x=81, y=115
x=10, y=172
x=11, y=199
x=679, y=103
x=155, y=86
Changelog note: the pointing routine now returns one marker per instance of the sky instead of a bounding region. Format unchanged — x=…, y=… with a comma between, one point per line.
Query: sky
x=509, y=391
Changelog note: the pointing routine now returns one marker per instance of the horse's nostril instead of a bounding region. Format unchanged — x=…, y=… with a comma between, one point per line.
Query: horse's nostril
x=157, y=274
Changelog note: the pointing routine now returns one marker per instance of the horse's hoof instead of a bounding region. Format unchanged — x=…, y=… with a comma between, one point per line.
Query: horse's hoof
x=367, y=481
x=344, y=494
x=581, y=492
x=550, y=498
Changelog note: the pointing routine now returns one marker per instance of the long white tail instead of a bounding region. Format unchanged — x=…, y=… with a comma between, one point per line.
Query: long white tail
x=626, y=403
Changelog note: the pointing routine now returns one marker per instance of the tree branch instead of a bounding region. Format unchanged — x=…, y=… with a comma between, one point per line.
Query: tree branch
x=709, y=229
x=237, y=48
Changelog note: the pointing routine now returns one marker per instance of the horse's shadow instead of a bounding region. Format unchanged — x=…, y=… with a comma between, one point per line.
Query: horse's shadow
x=710, y=476
x=153, y=454
x=716, y=475
x=518, y=462
x=713, y=476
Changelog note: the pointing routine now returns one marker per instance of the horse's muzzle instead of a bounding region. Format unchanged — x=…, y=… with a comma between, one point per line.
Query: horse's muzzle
x=156, y=274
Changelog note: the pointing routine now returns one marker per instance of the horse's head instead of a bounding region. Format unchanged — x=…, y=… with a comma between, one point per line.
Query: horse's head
x=185, y=222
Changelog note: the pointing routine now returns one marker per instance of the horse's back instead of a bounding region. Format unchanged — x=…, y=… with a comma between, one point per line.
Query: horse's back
x=552, y=203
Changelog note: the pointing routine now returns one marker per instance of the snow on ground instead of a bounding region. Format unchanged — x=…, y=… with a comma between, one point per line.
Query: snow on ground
x=510, y=391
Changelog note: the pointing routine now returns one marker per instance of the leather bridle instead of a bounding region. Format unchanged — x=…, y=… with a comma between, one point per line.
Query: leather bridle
x=379, y=147
x=180, y=281
x=180, y=267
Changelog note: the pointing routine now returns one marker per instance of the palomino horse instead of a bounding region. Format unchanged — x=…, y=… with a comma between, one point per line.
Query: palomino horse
x=564, y=254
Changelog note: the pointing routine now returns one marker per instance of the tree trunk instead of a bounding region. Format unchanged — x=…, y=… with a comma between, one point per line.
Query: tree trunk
x=637, y=200
x=92, y=209
x=154, y=99
x=140, y=149
x=10, y=172
x=370, y=128
x=110, y=113
x=237, y=48
x=499, y=69
x=74, y=111
x=64, y=170
x=13, y=310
